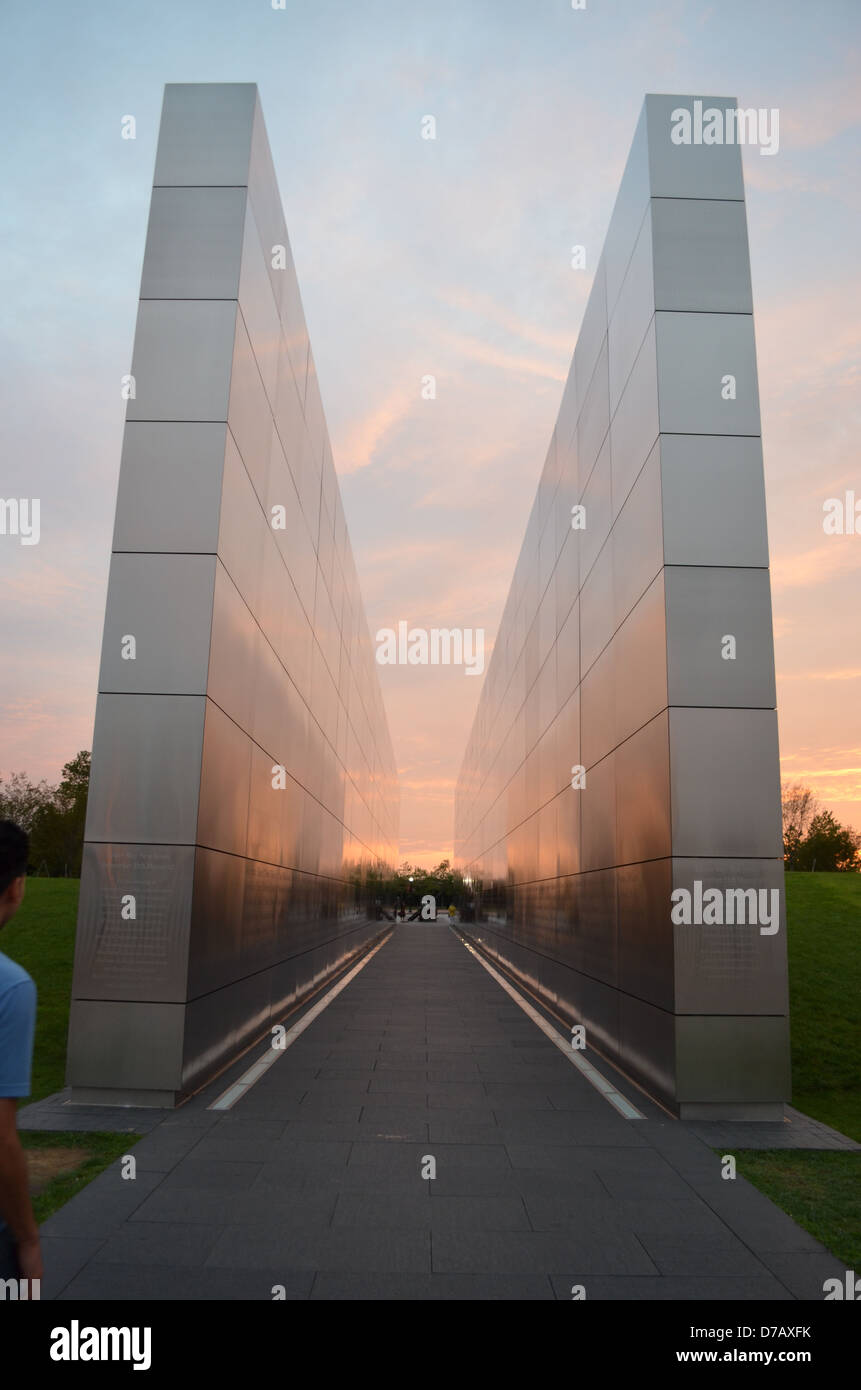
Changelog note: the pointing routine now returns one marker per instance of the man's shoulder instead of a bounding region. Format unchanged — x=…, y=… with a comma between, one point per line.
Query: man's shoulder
x=13, y=976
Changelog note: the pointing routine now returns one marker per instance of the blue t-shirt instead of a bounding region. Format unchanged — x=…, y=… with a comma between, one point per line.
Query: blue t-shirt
x=17, y=1027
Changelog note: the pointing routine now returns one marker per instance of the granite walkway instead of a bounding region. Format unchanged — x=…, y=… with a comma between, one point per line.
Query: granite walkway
x=313, y=1183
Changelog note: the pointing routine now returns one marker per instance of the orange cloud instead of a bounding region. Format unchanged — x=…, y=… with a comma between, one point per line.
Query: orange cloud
x=364, y=437
x=837, y=555
x=475, y=350
x=485, y=307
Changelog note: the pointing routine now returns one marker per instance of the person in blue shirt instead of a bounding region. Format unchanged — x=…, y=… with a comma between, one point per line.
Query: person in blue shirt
x=20, y=1255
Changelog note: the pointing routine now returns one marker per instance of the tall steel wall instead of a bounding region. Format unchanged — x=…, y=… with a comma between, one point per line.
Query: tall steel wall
x=251, y=650
x=610, y=655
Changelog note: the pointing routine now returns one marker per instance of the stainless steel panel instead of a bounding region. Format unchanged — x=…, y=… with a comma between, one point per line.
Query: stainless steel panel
x=293, y=539
x=598, y=508
x=631, y=203
x=597, y=610
x=289, y=418
x=647, y=1045
x=216, y=930
x=566, y=424
x=326, y=560
x=594, y=418
x=205, y=133
x=267, y=889
x=701, y=259
x=718, y=961
x=194, y=243
x=597, y=709
x=270, y=698
x=224, y=784
x=296, y=343
x=637, y=539
x=632, y=314
x=169, y=493
x=646, y=933
x=547, y=558
x=598, y=1006
x=292, y=808
x=567, y=728
x=690, y=171
x=548, y=845
x=312, y=832
x=223, y=1023
x=259, y=307
x=634, y=428
x=568, y=656
x=275, y=581
x=594, y=941
x=696, y=352
x=249, y=417
x=309, y=484
x=242, y=534
x=725, y=783
x=144, y=957
x=123, y=1046
x=593, y=332
x=233, y=651
x=719, y=477
x=266, y=201
x=732, y=1059
x=547, y=702
x=146, y=764
x=182, y=359
x=704, y=606
x=639, y=649
x=598, y=816
x=165, y=603
x=264, y=810
x=314, y=419
x=643, y=794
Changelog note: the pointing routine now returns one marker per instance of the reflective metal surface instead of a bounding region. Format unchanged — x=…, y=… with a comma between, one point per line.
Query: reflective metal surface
x=181, y=359
x=677, y=737
x=193, y=247
x=252, y=661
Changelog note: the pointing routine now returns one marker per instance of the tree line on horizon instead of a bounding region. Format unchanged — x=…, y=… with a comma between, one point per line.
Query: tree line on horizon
x=813, y=838
x=54, y=817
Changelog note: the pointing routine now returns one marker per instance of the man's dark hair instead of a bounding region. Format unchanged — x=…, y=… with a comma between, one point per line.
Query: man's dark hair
x=14, y=852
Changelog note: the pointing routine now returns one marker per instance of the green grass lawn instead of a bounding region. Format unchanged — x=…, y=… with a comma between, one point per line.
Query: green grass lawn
x=824, y=943
x=101, y=1150
x=820, y=1190
x=42, y=939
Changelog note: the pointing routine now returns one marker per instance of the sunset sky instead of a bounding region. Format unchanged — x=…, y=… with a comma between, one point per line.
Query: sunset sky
x=448, y=257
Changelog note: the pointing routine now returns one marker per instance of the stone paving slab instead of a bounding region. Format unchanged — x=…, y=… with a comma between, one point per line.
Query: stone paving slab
x=317, y=1179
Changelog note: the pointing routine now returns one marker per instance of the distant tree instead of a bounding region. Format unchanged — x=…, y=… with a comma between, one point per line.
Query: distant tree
x=22, y=800
x=75, y=783
x=411, y=883
x=830, y=847
x=57, y=829
x=799, y=806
